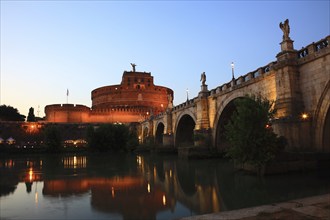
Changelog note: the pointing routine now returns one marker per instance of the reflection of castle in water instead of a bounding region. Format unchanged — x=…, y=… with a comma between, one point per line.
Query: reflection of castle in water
x=129, y=195
x=156, y=188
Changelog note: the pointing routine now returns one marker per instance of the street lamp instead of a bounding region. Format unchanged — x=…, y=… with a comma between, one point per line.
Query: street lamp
x=187, y=94
x=232, y=70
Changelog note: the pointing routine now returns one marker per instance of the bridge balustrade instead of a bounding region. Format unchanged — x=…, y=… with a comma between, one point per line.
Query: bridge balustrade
x=303, y=53
x=313, y=48
x=321, y=44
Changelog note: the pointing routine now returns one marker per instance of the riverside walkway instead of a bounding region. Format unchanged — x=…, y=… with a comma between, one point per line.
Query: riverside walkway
x=311, y=208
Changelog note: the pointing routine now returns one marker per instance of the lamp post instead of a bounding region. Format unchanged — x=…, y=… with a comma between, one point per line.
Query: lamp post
x=232, y=70
x=187, y=94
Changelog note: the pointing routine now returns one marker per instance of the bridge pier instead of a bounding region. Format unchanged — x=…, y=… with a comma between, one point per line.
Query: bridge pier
x=168, y=140
x=202, y=131
x=289, y=101
x=297, y=132
x=202, y=138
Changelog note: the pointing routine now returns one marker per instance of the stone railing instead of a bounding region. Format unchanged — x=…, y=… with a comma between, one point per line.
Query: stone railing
x=245, y=78
x=185, y=104
x=313, y=48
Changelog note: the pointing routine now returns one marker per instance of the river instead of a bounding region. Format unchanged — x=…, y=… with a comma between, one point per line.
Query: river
x=128, y=186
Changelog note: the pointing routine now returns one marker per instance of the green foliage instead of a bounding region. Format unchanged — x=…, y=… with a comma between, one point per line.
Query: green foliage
x=110, y=137
x=31, y=116
x=199, y=137
x=249, y=133
x=8, y=113
x=53, y=139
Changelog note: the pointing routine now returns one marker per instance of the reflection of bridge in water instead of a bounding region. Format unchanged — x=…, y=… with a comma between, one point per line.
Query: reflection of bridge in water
x=188, y=185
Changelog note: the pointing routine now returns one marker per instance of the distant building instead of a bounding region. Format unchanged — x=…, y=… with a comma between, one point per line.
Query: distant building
x=135, y=99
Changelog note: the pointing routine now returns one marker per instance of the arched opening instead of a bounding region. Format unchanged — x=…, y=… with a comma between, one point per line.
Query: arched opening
x=326, y=133
x=221, y=142
x=185, y=132
x=159, y=133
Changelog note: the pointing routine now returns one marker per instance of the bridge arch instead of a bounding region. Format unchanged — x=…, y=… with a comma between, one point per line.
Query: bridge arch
x=322, y=121
x=223, y=114
x=184, y=129
x=160, y=127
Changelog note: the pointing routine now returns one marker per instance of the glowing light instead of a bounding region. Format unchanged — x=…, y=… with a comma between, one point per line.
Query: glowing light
x=74, y=161
x=36, y=198
x=139, y=160
x=155, y=171
x=164, y=200
x=171, y=173
x=113, y=192
x=30, y=174
x=148, y=187
x=304, y=116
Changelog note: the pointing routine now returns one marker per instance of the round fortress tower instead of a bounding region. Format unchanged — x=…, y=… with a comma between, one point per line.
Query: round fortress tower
x=137, y=89
x=135, y=99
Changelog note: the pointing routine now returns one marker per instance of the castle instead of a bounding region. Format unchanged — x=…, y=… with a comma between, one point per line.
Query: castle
x=135, y=99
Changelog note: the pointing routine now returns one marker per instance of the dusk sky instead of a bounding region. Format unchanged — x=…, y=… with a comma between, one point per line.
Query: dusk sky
x=48, y=47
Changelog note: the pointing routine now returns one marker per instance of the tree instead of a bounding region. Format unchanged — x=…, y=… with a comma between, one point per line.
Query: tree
x=31, y=116
x=8, y=113
x=53, y=139
x=108, y=137
x=249, y=132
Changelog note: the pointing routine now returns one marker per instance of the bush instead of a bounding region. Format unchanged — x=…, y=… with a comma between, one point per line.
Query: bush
x=249, y=132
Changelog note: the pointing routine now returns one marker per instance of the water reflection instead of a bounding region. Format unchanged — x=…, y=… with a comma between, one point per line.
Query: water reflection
x=143, y=187
x=74, y=162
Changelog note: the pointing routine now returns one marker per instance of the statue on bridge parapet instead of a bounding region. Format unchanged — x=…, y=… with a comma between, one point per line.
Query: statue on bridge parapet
x=285, y=27
x=203, y=80
x=287, y=43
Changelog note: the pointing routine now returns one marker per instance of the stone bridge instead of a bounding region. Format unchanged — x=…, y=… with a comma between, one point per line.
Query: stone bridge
x=298, y=82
